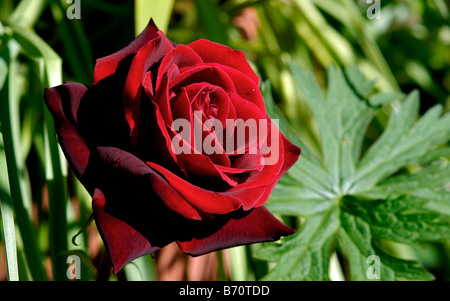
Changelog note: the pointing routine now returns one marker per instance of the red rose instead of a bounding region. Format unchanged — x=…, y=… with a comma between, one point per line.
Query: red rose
x=150, y=183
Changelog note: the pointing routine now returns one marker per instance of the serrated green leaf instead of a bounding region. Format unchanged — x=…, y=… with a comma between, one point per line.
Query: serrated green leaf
x=355, y=243
x=403, y=142
x=305, y=255
x=274, y=113
x=403, y=269
x=367, y=261
x=435, y=154
x=403, y=219
x=342, y=120
x=293, y=200
x=358, y=82
x=434, y=176
x=384, y=98
x=406, y=208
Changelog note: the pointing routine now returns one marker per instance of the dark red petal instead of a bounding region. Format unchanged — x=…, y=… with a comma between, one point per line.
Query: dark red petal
x=181, y=106
x=218, y=100
x=122, y=241
x=146, y=57
x=291, y=154
x=63, y=103
x=101, y=118
x=249, y=162
x=269, y=172
x=163, y=95
x=154, y=142
x=106, y=66
x=212, y=52
x=181, y=56
x=211, y=201
x=128, y=167
x=198, y=165
x=244, y=86
x=258, y=226
x=203, y=73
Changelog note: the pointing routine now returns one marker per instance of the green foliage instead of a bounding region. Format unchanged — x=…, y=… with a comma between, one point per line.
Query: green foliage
x=373, y=176
x=353, y=200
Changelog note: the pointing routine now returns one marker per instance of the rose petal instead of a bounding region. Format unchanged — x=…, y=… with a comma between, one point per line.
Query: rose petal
x=101, y=118
x=146, y=57
x=107, y=66
x=213, y=75
x=258, y=226
x=244, y=86
x=123, y=242
x=211, y=201
x=181, y=56
x=212, y=52
x=63, y=103
x=290, y=156
x=126, y=168
x=154, y=142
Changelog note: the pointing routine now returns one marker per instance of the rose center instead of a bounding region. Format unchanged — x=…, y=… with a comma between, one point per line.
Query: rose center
x=207, y=105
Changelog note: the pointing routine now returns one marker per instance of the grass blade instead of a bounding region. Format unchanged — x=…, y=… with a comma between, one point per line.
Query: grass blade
x=159, y=11
x=7, y=217
x=76, y=43
x=9, y=119
x=28, y=12
x=56, y=170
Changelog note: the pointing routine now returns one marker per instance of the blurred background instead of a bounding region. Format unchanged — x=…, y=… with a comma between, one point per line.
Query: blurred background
x=403, y=45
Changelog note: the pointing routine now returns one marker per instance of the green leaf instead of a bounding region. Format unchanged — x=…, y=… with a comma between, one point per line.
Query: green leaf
x=50, y=69
x=141, y=269
x=403, y=142
x=3, y=72
x=393, y=190
x=403, y=219
x=76, y=44
x=342, y=119
x=28, y=12
x=87, y=267
x=367, y=261
x=305, y=255
x=18, y=184
x=403, y=269
x=293, y=200
x=6, y=209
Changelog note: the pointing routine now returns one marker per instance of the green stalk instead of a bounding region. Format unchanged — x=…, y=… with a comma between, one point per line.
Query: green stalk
x=335, y=45
x=56, y=170
x=6, y=210
x=141, y=269
x=369, y=44
x=239, y=266
x=76, y=43
x=9, y=119
x=28, y=12
x=57, y=186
